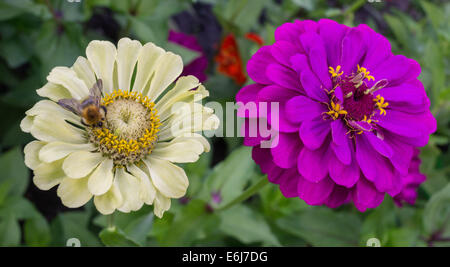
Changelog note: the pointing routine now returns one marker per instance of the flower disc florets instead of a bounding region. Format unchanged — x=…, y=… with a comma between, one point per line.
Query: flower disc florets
x=130, y=129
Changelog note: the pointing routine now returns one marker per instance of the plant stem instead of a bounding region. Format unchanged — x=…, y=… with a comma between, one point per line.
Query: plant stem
x=246, y=194
x=355, y=6
x=110, y=220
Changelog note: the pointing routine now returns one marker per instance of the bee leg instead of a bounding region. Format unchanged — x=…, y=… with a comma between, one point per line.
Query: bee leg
x=104, y=109
x=82, y=122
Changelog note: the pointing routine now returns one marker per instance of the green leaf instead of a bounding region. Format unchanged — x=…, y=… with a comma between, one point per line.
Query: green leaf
x=434, y=13
x=58, y=45
x=12, y=8
x=72, y=225
x=253, y=228
x=113, y=237
x=37, y=231
x=231, y=176
x=436, y=217
x=18, y=207
x=186, y=54
x=323, y=227
x=378, y=223
x=403, y=237
x=242, y=13
x=14, y=169
x=135, y=225
x=399, y=30
x=16, y=51
x=192, y=223
x=9, y=231
x=139, y=228
x=434, y=60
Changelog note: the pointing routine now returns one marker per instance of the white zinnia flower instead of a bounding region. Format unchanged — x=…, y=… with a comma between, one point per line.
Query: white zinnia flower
x=129, y=159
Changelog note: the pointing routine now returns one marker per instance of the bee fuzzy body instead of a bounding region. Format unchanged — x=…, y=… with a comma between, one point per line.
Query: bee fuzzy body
x=93, y=115
x=90, y=110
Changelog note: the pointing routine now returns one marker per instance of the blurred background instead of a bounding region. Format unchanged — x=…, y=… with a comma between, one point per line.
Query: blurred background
x=215, y=39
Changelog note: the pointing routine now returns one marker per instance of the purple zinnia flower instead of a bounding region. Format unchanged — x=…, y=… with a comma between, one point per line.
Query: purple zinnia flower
x=351, y=114
x=411, y=182
x=197, y=66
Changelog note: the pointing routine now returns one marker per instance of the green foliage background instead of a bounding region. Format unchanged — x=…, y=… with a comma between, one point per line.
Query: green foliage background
x=34, y=38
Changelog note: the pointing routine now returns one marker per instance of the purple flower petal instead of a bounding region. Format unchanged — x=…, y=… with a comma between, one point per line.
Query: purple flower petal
x=248, y=94
x=397, y=69
x=332, y=34
x=289, y=183
x=257, y=65
x=366, y=195
x=315, y=49
x=315, y=193
x=353, y=49
x=341, y=140
x=344, y=175
x=338, y=196
x=408, y=125
x=378, y=47
x=283, y=77
x=312, y=164
x=379, y=145
x=310, y=84
x=286, y=152
x=302, y=108
x=282, y=51
x=314, y=132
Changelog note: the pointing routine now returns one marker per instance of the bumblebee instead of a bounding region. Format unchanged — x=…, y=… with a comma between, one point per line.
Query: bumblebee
x=90, y=110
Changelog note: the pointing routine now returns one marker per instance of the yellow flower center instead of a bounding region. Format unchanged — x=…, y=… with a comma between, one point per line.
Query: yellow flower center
x=353, y=101
x=130, y=129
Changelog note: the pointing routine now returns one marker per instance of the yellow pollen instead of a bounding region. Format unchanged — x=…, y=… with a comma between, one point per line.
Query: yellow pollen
x=335, y=110
x=381, y=105
x=335, y=72
x=366, y=73
x=121, y=94
x=126, y=150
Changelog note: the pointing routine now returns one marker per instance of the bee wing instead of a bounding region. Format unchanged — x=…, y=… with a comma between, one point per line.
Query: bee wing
x=70, y=104
x=96, y=91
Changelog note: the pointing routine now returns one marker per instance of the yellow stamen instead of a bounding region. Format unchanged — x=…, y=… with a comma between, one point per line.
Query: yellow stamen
x=366, y=73
x=381, y=105
x=116, y=144
x=335, y=110
x=335, y=72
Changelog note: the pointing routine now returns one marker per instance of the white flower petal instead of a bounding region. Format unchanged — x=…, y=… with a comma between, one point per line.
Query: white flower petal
x=52, y=128
x=101, y=179
x=168, y=178
x=129, y=189
x=147, y=62
x=79, y=164
x=74, y=193
x=102, y=56
x=188, y=119
x=31, y=151
x=148, y=191
x=58, y=150
x=50, y=108
x=110, y=201
x=127, y=56
x=161, y=205
x=169, y=67
x=26, y=124
x=47, y=175
x=84, y=71
x=54, y=91
x=187, y=89
x=68, y=78
x=181, y=149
